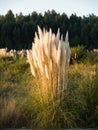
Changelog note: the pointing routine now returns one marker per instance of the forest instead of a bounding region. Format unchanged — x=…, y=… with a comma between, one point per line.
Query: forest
x=17, y=31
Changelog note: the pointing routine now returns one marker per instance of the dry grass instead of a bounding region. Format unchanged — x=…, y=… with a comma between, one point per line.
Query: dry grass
x=7, y=110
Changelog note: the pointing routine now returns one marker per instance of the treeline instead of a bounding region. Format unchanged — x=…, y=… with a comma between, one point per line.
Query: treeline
x=17, y=32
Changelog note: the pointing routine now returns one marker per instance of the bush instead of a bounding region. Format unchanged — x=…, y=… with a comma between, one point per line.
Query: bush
x=91, y=57
x=78, y=53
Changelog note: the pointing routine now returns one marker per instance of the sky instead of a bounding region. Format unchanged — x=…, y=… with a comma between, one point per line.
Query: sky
x=80, y=7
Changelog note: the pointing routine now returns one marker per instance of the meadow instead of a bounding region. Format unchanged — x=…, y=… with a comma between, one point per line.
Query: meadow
x=20, y=106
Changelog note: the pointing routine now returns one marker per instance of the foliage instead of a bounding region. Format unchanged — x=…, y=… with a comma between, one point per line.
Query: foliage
x=78, y=53
x=91, y=57
x=17, y=32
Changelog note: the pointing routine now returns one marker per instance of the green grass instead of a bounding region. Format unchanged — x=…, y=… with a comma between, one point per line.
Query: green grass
x=19, y=98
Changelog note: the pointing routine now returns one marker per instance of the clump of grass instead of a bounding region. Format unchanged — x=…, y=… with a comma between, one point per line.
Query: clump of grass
x=49, y=61
x=7, y=110
x=82, y=90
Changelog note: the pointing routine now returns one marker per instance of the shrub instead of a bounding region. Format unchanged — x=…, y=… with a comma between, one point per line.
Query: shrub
x=78, y=53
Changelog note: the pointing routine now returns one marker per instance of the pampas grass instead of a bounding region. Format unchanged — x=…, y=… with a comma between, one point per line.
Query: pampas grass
x=49, y=61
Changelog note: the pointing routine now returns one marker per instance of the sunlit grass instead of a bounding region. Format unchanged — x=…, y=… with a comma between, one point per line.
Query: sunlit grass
x=20, y=105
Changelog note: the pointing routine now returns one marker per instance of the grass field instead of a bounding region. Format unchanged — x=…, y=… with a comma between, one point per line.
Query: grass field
x=19, y=99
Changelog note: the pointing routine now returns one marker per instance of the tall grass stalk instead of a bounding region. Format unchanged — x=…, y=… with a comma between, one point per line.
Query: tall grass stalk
x=49, y=61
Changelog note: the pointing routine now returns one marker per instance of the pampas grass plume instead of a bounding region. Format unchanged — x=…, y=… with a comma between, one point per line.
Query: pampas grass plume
x=50, y=57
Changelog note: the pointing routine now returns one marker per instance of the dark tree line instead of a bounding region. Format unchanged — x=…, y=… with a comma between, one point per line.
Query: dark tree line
x=17, y=32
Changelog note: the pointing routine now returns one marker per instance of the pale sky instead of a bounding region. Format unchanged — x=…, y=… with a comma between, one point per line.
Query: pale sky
x=80, y=7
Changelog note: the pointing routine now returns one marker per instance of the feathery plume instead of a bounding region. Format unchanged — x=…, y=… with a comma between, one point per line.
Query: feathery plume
x=50, y=55
x=30, y=61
